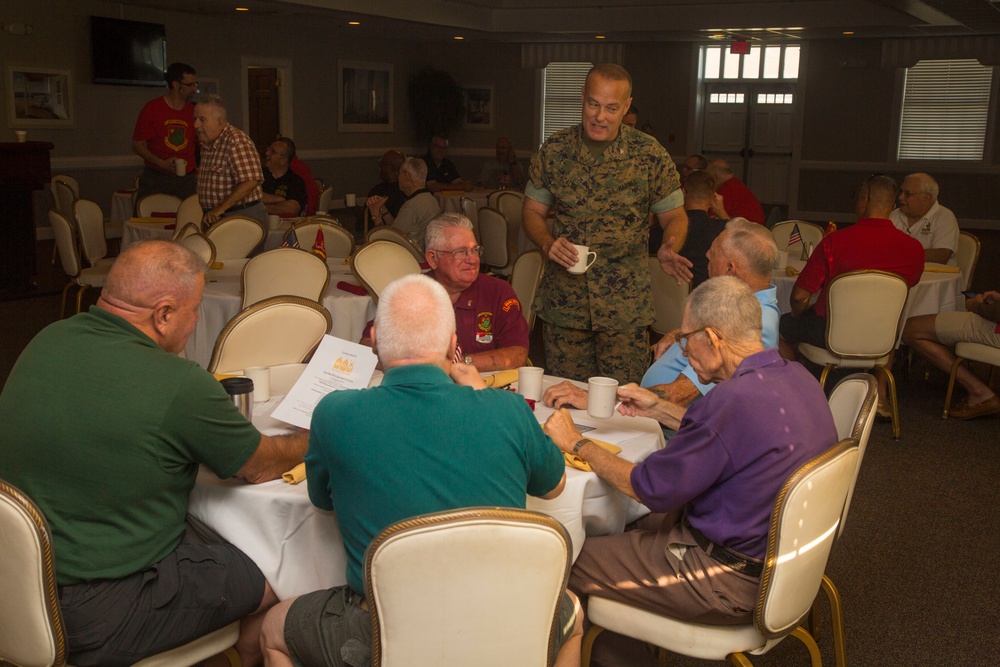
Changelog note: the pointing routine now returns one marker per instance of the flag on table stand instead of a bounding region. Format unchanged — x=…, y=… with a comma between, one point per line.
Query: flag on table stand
x=319, y=247
x=795, y=237
x=830, y=228
x=291, y=241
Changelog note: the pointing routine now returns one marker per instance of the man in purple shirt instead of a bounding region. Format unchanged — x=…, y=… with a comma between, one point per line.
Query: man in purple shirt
x=718, y=477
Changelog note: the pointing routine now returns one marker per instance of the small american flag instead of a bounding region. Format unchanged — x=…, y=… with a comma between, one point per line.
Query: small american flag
x=795, y=237
x=291, y=241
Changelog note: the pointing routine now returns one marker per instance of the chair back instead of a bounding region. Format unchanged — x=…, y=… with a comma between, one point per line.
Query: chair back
x=524, y=278
x=90, y=220
x=157, y=202
x=377, y=263
x=804, y=523
x=471, y=211
x=494, y=197
x=68, y=180
x=854, y=403
x=967, y=257
x=235, y=236
x=325, y=196
x=668, y=298
x=388, y=233
x=199, y=244
x=338, y=241
x=65, y=237
x=180, y=232
x=280, y=271
x=495, y=577
x=497, y=253
x=511, y=203
x=63, y=196
x=30, y=616
x=862, y=313
x=276, y=331
x=189, y=211
x=810, y=233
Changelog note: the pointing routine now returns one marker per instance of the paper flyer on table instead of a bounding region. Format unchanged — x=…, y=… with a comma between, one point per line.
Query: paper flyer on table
x=337, y=364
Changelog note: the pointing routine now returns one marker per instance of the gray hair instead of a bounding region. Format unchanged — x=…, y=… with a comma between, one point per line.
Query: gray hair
x=753, y=242
x=414, y=320
x=434, y=236
x=927, y=184
x=728, y=305
x=416, y=168
x=214, y=101
x=148, y=270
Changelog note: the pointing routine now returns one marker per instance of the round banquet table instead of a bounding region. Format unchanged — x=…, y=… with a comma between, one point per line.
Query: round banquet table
x=450, y=201
x=135, y=230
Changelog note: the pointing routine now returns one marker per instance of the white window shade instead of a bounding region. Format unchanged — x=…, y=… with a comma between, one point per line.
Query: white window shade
x=562, y=96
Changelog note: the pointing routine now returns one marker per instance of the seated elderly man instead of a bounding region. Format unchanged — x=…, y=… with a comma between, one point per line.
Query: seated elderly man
x=505, y=172
x=455, y=447
x=284, y=190
x=419, y=208
x=934, y=338
x=718, y=476
x=105, y=427
x=388, y=185
x=743, y=250
x=921, y=216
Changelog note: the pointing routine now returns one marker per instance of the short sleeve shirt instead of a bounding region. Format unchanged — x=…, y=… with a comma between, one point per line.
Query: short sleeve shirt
x=444, y=173
x=937, y=229
x=168, y=132
x=488, y=317
x=289, y=186
x=225, y=163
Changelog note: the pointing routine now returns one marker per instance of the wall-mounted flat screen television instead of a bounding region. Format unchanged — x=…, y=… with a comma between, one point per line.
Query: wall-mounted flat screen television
x=128, y=53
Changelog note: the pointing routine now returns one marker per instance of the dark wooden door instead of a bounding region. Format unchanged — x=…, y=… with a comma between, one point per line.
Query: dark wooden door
x=262, y=87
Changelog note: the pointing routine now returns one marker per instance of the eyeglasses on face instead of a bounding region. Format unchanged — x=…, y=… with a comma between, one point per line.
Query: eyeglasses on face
x=462, y=253
x=192, y=84
x=682, y=338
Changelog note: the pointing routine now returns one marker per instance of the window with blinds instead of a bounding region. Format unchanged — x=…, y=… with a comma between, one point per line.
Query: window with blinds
x=946, y=106
x=562, y=84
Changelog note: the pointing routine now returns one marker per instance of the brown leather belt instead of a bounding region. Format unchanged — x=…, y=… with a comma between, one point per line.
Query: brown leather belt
x=726, y=556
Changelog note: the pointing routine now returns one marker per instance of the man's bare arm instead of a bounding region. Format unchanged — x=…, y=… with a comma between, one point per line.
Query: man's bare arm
x=559, y=250
x=799, y=301
x=554, y=493
x=501, y=359
x=275, y=455
x=142, y=150
x=238, y=193
x=938, y=255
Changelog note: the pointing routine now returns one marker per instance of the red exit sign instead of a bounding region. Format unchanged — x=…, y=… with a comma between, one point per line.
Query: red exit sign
x=741, y=46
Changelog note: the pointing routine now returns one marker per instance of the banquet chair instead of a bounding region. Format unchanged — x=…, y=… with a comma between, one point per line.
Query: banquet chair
x=499, y=241
x=511, y=203
x=803, y=523
x=389, y=233
x=157, y=203
x=272, y=332
x=863, y=310
x=189, y=211
x=496, y=577
x=180, y=232
x=986, y=354
x=810, y=233
x=377, y=263
x=967, y=256
x=325, y=195
x=199, y=244
x=338, y=241
x=524, y=278
x=471, y=211
x=668, y=299
x=33, y=632
x=90, y=222
x=280, y=271
x=63, y=198
x=494, y=197
x=69, y=253
x=235, y=237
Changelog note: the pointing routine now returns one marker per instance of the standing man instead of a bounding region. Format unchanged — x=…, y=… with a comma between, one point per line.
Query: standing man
x=284, y=191
x=164, y=133
x=419, y=208
x=922, y=217
x=738, y=200
x=441, y=172
x=505, y=172
x=602, y=180
x=229, y=177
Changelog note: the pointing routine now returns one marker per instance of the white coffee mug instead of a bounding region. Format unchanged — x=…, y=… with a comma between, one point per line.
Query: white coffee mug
x=180, y=167
x=273, y=221
x=349, y=200
x=585, y=258
x=782, y=260
x=21, y=136
x=602, y=396
x=261, y=376
x=529, y=382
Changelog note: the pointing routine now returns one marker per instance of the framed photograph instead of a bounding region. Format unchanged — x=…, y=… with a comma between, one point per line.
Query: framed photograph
x=479, y=107
x=206, y=87
x=365, y=97
x=39, y=97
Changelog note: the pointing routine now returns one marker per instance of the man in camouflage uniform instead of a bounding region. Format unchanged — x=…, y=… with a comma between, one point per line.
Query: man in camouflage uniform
x=602, y=179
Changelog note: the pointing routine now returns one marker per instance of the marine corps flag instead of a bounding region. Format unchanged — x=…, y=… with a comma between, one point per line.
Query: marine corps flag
x=831, y=227
x=319, y=247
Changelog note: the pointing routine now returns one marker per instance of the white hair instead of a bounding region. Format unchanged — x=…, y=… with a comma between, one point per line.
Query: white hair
x=415, y=320
x=728, y=305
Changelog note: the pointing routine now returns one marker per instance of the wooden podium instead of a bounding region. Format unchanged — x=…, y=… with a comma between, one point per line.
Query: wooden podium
x=24, y=167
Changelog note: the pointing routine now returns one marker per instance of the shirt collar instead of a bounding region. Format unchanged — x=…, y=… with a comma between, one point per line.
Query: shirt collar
x=415, y=374
x=761, y=359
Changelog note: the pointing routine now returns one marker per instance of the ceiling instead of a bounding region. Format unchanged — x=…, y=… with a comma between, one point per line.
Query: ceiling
x=623, y=20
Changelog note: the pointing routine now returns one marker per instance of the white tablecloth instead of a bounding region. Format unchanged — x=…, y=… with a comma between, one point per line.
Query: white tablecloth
x=298, y=547
x=136, y=231
x=451, y=202
x=121, y=210
x=221, y=302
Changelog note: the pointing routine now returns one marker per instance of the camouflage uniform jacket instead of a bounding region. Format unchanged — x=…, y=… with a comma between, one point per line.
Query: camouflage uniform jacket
x=603, y=204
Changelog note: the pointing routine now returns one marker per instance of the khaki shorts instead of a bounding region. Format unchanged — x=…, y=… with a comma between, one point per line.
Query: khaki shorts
x=965, y=327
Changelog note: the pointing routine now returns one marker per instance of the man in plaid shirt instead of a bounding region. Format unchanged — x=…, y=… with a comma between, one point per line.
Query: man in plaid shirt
x=229, y=175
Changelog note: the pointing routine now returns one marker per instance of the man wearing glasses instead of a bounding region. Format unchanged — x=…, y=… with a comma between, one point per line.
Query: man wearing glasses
x=922, y=217
x=284, y=190
x=164, y=133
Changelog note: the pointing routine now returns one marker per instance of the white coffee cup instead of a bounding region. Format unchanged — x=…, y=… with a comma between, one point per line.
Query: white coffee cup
x=261, y=376
x=322, y=212
x=602, y=396
x=21, y=136
x=349, y=200
x=782, y=260
x=585, y=258
x=273, y=221
x=180, y=167
x=529, y=382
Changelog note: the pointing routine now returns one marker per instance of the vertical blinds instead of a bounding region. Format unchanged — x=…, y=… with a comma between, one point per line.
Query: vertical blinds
x=561, y=96
x=945, y=109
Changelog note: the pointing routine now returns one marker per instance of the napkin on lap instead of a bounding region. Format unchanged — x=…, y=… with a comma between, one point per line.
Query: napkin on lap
x=501, y=379
x=296, y=474
x=574, y=461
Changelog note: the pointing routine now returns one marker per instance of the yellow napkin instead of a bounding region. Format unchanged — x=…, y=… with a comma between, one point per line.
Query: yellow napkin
x=296, y=474
x=500, y=379
x=223, y=376
x=161, y=221
x=791, y=270
x=941, y=268
x=217, y=265
x=574, y=461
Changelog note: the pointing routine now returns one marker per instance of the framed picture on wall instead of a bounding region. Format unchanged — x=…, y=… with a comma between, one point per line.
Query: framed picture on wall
x=206, y=87
x=39, y=97
x=365, y=96
x=479, y=107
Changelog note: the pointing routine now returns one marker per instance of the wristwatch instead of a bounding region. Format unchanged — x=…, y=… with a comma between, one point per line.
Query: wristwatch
x=468, y=359
x=579, y=443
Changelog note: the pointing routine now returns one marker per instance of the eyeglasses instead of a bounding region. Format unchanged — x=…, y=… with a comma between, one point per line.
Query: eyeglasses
x=682, y=338
x=193, y=84
x=462, y=253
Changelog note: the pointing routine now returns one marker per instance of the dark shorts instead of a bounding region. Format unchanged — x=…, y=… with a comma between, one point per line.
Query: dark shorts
x=330, y=629
x=195, y=590
x=807, y=328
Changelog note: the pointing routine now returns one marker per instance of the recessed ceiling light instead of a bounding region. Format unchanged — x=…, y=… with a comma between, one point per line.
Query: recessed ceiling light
x=847, y=32
x=459, y=37
x=599, y=37
x=354, y=23
x=242, y=9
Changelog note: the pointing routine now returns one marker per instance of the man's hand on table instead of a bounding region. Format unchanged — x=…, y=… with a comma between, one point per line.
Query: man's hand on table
x=565, y=394
x=673, y=264
x=560, y=427
x=466, y=375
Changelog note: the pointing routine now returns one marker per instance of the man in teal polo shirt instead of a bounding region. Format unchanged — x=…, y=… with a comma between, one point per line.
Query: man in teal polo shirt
x=421, y=442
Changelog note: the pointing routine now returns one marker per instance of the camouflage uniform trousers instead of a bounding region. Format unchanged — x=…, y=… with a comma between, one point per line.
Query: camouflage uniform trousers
x=578, y=354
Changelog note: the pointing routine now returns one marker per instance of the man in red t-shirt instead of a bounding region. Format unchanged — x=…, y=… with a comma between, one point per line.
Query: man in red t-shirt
x=738, y=200
x=164, y=134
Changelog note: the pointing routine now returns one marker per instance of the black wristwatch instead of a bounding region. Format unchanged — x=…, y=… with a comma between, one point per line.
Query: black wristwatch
x=579, y=443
